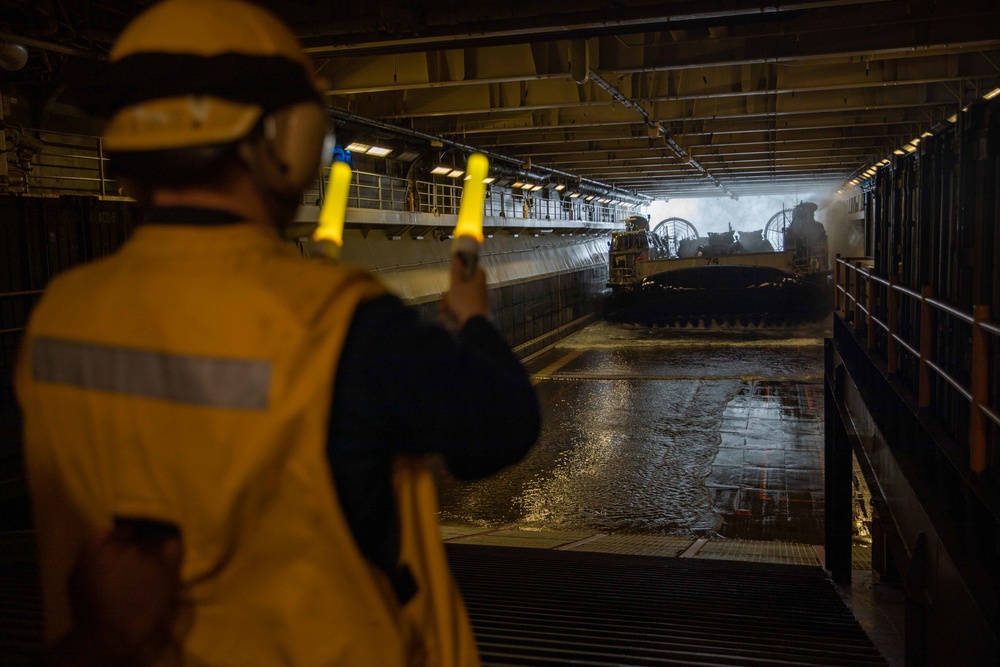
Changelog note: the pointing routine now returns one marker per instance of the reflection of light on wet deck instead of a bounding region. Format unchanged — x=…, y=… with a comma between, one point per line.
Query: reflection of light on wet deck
x=669, y=434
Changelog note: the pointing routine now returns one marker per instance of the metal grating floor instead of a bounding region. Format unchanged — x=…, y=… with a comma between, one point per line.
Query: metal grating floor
x=756, y=551
x=538, y=607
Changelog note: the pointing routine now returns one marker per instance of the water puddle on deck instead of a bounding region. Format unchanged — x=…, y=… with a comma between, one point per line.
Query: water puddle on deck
x=669, y=432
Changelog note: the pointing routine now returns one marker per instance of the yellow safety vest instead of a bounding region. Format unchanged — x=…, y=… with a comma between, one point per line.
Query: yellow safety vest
x=188, y=378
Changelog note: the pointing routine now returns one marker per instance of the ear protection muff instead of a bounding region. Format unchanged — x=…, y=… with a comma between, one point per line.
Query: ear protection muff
x=284, y=152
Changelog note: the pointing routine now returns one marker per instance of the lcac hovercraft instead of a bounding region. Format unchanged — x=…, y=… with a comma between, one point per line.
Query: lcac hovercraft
x=728, y=278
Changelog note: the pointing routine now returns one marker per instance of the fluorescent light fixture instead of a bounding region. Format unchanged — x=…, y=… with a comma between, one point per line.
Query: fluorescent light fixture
x=993, y=93
x=560, y=187
x=526, y=186
x=440, y=170
x=489, y=179
x=518, y=184
x=357, y=147
x=953, y=119
x=455, y=173
x=378, y=151
x=910, y=147
x=574, y=195
x=899, y=152
x=926, y=134
x=535, y=188
x=589, y=197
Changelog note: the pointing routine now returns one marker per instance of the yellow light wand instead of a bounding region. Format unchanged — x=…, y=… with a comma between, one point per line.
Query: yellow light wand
x=329, y=234
x=469, y=228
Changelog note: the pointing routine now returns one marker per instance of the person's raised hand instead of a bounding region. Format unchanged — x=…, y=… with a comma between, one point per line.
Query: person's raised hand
x=465, y=298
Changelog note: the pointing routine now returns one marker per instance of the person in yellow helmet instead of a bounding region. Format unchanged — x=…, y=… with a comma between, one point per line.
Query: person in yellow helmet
x=275, y=412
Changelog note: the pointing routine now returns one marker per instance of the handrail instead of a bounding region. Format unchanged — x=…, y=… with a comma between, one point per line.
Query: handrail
x=77, y=164
x=951, y=310
x=24, y=293
x=989, y=413
x=861, y=301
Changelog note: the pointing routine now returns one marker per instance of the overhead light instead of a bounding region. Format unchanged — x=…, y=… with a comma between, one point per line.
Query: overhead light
x=574, y=195
x=993, y=93
x=378, y=151
x=489, y=179
x=926, y=134
x=455, y=173
x=526, y=186
x=560, y=187
x=589, y=197
x=441, y=170
x=518, y=184
x=357, y=147
x=910, y=147
x=953, y=119
x=899, y=152
x=536, y=188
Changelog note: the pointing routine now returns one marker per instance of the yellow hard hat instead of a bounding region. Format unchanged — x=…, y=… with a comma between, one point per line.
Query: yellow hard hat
x=196, y=72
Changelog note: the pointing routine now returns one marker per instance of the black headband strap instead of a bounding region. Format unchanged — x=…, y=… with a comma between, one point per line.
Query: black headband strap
x=271, y=82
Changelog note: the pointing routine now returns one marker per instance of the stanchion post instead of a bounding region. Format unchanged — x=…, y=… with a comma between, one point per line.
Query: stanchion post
x=926, y=333
x=836, y=283
x=980, y=386
x=870, y=319
x=893, y=324
x=857, y=297
x=837, y=480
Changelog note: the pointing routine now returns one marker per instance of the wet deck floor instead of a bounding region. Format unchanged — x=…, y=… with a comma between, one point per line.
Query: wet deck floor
x=690, y=444
x=667, y=432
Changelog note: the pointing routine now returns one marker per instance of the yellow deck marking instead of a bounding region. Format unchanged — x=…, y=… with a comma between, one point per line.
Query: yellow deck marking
x=553, y=367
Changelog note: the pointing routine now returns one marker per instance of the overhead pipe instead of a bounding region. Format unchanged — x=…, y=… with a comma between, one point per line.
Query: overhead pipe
x=45, y=45
x=609, y=190
x=619, y=97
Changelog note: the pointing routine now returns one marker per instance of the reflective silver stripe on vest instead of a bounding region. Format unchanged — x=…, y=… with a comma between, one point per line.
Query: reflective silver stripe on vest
x=211, y=381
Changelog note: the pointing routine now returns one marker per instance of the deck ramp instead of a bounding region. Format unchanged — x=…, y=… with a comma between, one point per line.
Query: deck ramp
x=546, y=607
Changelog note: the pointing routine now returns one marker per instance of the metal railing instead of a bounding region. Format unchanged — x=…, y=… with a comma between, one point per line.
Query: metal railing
x=856, y=296
x=76, y=164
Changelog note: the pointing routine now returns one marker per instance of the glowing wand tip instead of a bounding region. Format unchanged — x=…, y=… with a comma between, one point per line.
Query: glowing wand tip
x=330, y=231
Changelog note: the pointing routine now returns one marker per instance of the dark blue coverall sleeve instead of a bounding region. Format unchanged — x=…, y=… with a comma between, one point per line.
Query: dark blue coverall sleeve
x=405, y=386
